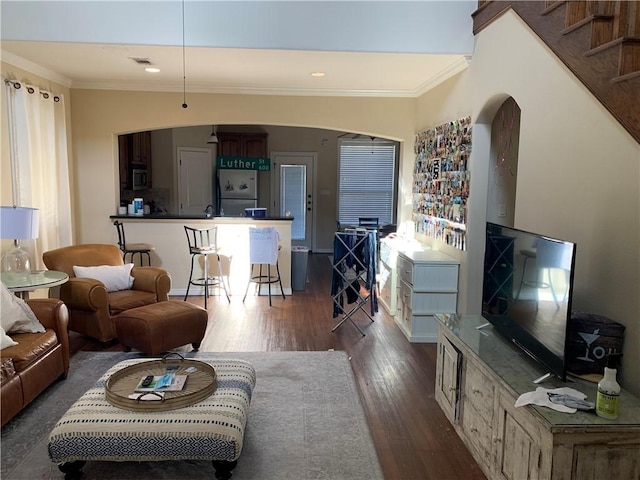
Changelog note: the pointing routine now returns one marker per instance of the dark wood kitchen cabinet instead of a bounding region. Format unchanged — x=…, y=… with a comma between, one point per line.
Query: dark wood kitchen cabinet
x=123, y=159
x=134, y=148
x=141, y=149
x=246, y=145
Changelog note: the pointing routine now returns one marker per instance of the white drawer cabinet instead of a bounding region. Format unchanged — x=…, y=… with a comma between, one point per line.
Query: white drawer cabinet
x=428, y=284
x=388, y=278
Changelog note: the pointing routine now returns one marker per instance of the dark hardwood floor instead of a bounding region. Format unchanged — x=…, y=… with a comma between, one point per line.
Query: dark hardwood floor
x=396, y=378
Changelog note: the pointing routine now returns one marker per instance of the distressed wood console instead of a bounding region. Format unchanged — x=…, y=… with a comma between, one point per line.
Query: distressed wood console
x=480, y=375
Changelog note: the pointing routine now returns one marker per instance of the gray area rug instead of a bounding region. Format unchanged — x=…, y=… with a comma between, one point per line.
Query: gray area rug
x=305, y=422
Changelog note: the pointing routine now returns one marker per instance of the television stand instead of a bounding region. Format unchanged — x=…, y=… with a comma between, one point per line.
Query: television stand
x=479, y=376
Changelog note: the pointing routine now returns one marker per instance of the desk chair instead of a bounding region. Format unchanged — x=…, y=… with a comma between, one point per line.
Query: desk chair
x=202, y=243
x=263, y=252
x=132, y=249
x=371, y=222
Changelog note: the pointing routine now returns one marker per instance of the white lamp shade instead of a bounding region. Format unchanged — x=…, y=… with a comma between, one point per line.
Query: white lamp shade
x=19, y=223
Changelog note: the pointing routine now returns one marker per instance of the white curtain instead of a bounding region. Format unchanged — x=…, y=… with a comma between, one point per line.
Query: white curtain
x=40, y=164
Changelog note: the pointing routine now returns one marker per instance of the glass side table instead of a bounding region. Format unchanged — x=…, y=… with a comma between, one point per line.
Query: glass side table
x=21, y=285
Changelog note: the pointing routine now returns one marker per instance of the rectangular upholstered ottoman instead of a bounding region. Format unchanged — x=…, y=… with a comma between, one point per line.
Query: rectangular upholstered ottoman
x=213, y=429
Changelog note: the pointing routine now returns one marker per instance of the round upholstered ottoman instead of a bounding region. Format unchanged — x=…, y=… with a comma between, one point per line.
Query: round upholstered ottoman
x=161, y=326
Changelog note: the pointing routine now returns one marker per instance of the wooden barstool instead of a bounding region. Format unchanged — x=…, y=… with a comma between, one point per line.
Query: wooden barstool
x=202, y=243
x=132, y=249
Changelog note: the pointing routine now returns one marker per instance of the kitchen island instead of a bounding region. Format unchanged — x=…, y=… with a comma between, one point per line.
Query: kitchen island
x=167, y=234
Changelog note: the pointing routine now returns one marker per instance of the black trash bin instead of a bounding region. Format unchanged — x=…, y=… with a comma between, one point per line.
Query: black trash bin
x=299, y=259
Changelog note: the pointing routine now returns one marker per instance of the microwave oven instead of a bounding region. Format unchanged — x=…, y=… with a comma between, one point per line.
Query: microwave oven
x=138, y=178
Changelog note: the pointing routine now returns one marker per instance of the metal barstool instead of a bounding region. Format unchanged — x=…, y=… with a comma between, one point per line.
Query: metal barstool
x=202, y=243
x=132, y=248
x=263, y=252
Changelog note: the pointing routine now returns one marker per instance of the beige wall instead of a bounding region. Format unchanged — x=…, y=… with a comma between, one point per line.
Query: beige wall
x=281, y=139
x=286, y=139
x=98, y=116
x=578, y=172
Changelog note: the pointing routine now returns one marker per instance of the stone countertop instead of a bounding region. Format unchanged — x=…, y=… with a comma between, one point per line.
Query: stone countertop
x=167, y=216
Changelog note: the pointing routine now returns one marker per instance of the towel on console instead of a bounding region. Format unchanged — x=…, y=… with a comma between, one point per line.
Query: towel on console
x=541, y=397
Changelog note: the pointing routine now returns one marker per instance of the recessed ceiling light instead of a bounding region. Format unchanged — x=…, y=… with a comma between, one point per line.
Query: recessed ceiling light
x=318, y=74
x=152, y=69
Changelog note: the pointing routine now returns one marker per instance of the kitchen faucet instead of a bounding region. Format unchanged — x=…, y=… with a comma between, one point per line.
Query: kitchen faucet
x=208, y=211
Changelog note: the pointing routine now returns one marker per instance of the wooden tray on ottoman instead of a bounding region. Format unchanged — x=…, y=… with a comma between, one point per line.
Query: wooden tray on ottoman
x=200, y=384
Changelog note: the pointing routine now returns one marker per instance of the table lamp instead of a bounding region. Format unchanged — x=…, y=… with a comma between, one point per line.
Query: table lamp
x=19, y=223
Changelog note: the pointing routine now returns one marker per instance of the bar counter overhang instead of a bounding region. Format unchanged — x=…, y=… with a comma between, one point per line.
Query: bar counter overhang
x=166, y=233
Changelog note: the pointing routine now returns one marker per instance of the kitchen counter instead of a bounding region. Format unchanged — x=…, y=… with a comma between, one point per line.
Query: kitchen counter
x=173, y=216
x=167, y=234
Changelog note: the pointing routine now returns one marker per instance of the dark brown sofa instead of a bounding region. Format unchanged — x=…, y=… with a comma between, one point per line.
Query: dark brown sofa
x=38, y=360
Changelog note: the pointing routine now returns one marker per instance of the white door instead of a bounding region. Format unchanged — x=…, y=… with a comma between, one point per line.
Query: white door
x=293, y=192
x=195, y=180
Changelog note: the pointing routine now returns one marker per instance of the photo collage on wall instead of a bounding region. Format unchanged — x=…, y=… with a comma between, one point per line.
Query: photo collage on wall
x=441, y=179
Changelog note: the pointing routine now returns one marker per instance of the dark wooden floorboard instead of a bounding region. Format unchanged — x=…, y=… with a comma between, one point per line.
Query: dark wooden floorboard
x=395, y=378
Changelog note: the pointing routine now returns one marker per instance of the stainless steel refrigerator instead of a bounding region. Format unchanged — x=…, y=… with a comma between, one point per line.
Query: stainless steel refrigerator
x=235, y=191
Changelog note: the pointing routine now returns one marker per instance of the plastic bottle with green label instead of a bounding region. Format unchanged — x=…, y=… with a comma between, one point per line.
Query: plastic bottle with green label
x=608, y=397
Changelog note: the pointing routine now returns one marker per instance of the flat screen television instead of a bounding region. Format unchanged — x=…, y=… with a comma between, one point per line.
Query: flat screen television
x=527, y=290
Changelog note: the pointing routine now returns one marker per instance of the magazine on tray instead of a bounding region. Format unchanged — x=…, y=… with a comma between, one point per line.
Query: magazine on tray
x=168, y=382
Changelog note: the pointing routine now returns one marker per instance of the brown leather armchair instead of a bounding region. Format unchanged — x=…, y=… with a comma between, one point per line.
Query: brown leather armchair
x=92, y=310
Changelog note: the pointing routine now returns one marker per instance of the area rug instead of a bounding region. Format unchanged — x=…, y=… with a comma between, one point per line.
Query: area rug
x=305, y=422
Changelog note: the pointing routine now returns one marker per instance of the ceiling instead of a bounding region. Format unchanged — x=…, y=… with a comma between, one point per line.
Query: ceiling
x=364, y=48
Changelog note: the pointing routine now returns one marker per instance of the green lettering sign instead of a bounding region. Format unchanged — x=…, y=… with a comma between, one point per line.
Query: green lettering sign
x=244, y=163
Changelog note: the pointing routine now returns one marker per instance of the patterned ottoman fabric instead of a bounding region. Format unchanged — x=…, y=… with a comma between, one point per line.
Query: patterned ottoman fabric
x=213, y=429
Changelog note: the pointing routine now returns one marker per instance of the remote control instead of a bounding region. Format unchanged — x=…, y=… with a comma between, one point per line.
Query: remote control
x=147, y=380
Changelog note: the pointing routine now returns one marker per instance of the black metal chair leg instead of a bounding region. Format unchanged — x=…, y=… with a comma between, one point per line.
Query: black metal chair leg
x=190, y=277
x=206, y=280
x=269, y=282
x=280, y=280
x=246, y=290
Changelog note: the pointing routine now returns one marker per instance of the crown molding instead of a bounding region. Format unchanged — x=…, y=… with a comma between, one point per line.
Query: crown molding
x=178, y=87
x=16, y=61
x=453, y=69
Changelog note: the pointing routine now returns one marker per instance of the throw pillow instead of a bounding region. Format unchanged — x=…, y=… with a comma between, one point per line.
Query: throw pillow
x=15, y=314
x=5, y=340
x=114, y=277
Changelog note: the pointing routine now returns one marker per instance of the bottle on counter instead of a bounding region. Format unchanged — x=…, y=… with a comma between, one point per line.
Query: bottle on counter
x=608, y=397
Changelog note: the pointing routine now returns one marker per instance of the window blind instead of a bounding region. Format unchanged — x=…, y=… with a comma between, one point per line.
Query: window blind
x=367, y=177
x=293, y=192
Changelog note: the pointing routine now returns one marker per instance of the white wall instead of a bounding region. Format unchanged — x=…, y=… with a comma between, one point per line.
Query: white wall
x=578, y=172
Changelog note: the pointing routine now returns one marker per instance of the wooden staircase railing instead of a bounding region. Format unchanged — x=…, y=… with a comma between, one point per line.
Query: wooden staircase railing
x=599, y=41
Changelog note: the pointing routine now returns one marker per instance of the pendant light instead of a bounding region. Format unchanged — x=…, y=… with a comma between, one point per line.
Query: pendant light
x=213, y=138
x=184, y=74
